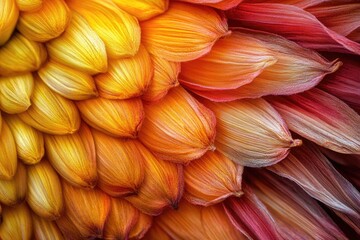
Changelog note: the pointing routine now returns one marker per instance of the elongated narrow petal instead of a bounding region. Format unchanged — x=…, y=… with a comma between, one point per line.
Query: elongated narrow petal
x=8, y=18
x=8, y=160
x=79, y=47
x=122, y=218
x=22, y=56
x=29, y=141
x=50, y=112
x=251, y=132
x=118, y=118
x=86, y=209
x=233, y=61
x=184, y=32
x=45, y=229
x=29, y=5
x=156, y=232
x=165, y=77
x=68, y=228
x=17, y=223
x=162, y=187
x=143, y=10
x=68, y=82
x=126, y=77
x=296, y=213
x=299, y=3
x=120, y=165
x=321, y=118
x=197, y=222
x=44, y=194
x=73, y=156
x=178, y=128
x=220, y=4
x=46, y=23
x=141, y=226
x=250, y=216
x=311, y=170
x=119, y=30
x=211, y=179
x=15, y=93
x=296, y=24
x=296, y=69
x=351, y=160
x=345, y=84
x=13, y=191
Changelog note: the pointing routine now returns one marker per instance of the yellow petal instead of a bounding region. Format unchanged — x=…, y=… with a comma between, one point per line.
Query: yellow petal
x=119, y=30
x=141, y=226
x=118, y=118
x=126, y=77
x=178, y=128
x=162, y=186
x=122, y=218
x=8, y=160
x=143, y=10
x=29, y=5
x=73, y=156
x=120, y=165
x=13, y=191
x=29, y=141
x=251, y=132
x=184, y=32
x=87, y=209
x=17, y=223
x=46, y=23
x=211, y=179
x=22, y=55
x=45, y=230
x=165, y=77
x=79, y=47
x=8, y=17
x=68, y=82
x=50, y=112
x=44, y=194
x=15, y=92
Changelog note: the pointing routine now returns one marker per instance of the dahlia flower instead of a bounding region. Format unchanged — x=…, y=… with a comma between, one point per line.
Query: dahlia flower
x=179, y=119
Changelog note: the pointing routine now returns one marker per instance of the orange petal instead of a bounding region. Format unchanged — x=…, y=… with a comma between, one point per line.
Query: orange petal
x=184, y=32
x=73, y=156
x=162, y=187
x=68, y=82
x=29, y=141
x=156, y=232
x=8, y=160
x=8, y=18
x=165, y=77
x=119, y=164
x=297, y=215
x=119, y=30
x=13, y=191
x=143, y=10
x=141, y=226
x=15, y=93
x=233, y=61
x=178, y=128
x=122, y=218
x=126, y=77
x=211, y=179
x=46, y=23
x=251, y=132
x=86, y=209
x=44, y=194
x=321, y=118
x=29, y=5
x=220, y=4
x=285, y=77
x=17, y=223
x=50, y=112
x=44, y=229
x=118, y=118
x=67, y=227
x=22, y=56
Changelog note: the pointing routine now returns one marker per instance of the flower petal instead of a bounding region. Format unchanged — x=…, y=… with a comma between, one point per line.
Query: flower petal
x=220, y=4
x=143, y=10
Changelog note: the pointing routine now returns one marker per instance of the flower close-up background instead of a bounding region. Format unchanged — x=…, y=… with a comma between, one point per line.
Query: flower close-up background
x=179, y=119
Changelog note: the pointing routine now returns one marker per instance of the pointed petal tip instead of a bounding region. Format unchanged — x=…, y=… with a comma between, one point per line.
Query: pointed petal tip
x=296, y=143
